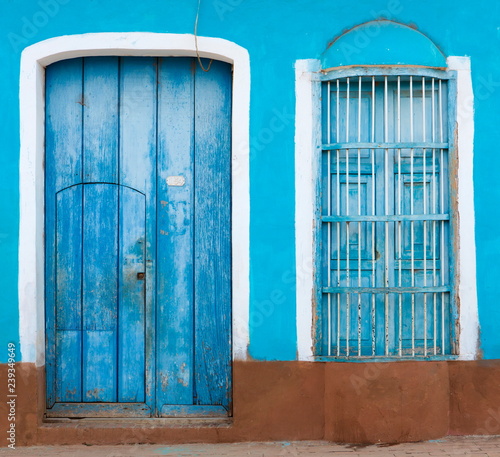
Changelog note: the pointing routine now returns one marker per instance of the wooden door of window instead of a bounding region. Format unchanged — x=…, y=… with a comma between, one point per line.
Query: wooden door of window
x=386, y=245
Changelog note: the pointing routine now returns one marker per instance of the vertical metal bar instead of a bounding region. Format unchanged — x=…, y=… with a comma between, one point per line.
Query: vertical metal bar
x=400, y=243
x=386, y=201
x=434, y=211
x=329, y=226
x=374, y=254
x=338, y=212
x=347, y=222
x=441, y=190
x=412, y=228
x=424, y=179
x=359, y=213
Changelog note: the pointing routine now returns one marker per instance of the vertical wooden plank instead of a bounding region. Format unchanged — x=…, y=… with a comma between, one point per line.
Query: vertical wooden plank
x=63, y=85
x=68, y=294
x=213, y=235
x=63, y=128
x=100, y=103
x=99, y=365
x=100, y=163
x=175, y=231
x=69, y=258
x=138, y=123
x=137, y=169
x=69, y=366
x=100, y=247
x=131, y=303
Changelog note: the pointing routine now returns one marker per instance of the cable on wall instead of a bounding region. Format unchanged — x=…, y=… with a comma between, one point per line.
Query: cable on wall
x=196, y=41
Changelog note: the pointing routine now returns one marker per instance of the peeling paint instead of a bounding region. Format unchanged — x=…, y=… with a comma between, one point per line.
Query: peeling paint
x=94, y=393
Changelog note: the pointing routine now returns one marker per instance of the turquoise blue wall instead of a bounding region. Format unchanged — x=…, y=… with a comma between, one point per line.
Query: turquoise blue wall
x=276, y=34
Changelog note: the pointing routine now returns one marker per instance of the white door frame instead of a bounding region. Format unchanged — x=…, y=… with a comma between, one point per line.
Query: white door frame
x=34, y=59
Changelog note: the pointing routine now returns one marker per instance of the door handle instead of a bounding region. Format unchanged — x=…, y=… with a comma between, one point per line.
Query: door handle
x=141, y=275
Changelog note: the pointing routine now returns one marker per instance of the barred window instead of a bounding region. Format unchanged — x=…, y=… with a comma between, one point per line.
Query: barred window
x=386, y=257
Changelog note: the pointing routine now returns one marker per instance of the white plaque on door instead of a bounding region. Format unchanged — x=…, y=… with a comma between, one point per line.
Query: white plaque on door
x=176, y=181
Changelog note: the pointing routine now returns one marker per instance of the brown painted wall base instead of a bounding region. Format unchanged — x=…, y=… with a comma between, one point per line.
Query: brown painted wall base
x=341, y=402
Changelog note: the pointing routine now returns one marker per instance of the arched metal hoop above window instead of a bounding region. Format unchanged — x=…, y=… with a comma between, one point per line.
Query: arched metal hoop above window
x=382, y=42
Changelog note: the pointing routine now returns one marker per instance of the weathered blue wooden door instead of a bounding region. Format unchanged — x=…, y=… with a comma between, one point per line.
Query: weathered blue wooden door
x=138, y=269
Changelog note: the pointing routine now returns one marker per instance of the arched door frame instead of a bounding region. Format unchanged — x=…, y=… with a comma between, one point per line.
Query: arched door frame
x=34, y=59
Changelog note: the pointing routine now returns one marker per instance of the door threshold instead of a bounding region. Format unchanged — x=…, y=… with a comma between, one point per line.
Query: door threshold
x=146, y=422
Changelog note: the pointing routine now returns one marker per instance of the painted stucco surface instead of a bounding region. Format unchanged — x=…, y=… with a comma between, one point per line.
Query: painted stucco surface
x=276, y=34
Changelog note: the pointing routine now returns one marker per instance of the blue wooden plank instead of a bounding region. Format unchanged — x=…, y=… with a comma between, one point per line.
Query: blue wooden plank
x=63, y=134
x=100, y=157
x=100, y=293
x=69, y=258
x=175, y=232
x=137, y=169
x=131, y=303
x=69, y=365
x=138, y=123
x=62, y=168
x=68, y=293
x=212, y=224
x=100, y=136
x=99, y=365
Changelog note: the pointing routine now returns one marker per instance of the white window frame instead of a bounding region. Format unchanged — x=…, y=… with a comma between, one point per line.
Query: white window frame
x=307, y=187
x=34, y=59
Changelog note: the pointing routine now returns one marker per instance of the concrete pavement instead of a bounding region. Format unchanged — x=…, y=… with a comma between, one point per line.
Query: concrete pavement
x=473, y=446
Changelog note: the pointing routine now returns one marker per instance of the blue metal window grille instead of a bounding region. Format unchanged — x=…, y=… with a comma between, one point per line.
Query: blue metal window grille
x=386, y=263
